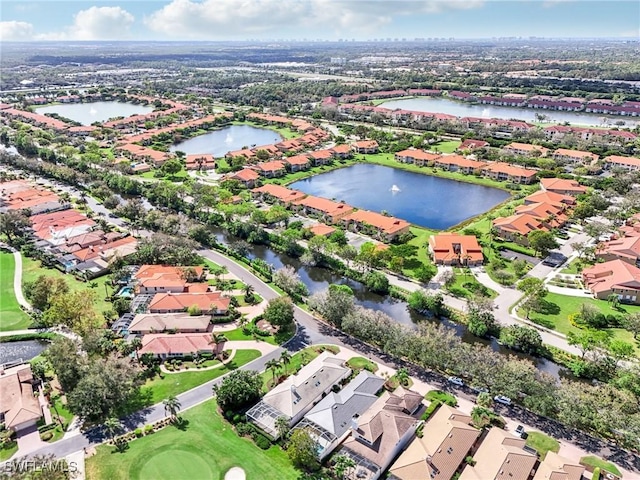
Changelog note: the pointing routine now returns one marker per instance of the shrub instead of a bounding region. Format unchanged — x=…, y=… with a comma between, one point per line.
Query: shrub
x=458, y=292
x=46, y=428
x=46, y=436
x=148, y=430
x=433, y=406
x=244, y=428
x=261, y=441
x=138, y=432
x=596, y=474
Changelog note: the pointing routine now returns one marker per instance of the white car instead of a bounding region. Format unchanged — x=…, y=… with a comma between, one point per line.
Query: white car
x=456, y=381
x=502, y=399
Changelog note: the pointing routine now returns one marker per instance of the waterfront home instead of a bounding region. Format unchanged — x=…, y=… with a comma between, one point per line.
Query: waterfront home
x=626, y=163
x=626, y=249
x=446, y=441
x=289, y=146
x=416, y=156
x=552, y=198
x=144, y=323
x=562, y=186
x=209, y=303
x=169, y=345
x=505, y=172
x=35, y=119
x=294, y=397
x=297, y=163
x=516, y=227
x=526, y=149
x=273, y=193
x=613, y=278
x=455, y=163
x=19, y=408
x=365, y=146
x=342, y=151
x=501, y=455
x=381, y=433
x=454, y=249
x=376, y=225
x=556, y=467
x=320, y=157
x=246, y=176
x=322, y=208
x=200, y=161
x=574, y=156
x=330, y=420
x=271, y=169
x=246, y=153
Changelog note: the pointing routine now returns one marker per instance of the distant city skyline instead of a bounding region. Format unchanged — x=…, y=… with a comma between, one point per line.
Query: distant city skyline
x=24, y=20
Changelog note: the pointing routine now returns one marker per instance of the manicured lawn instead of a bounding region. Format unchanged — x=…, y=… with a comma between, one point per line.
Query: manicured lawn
x=170, y=384
x=32, y=269
x=65, y=415
x=6, y=453
x=559, y=307
x=542, y=443
x=463, y=277
x=361, y=363
x=298, y=360
x=11, y=315
x=599, y=462
x=446, y=147
x=206, y=450
x=238, y=334
x=442, y=397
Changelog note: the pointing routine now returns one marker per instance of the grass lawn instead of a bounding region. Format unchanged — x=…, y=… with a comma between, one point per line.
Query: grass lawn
x=442, y=397
x=559, y=307
x=6, y=453
x=599, y=462
x=238, y=334
x=463, y=278
x=65, y=415
x=156, y=390
x=298, y=360
x=11, y=315
x=206, y=450
x=542, y=443
x=32, y=269
x=446, y=147
x=361, y=363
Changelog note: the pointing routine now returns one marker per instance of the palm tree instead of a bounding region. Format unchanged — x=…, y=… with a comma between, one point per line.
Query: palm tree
x=402, y=375
x=248, y=293
x=285, y=358
x=218, y=339
x=273, y=365
x=112, y=426
x=136, y=344
x=172, y=405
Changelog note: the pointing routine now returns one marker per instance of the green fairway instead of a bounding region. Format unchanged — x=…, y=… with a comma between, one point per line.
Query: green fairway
x=559, y=307
x=206, y=450
x=11, y=315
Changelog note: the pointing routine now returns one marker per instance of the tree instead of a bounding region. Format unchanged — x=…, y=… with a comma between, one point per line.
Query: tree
x=68, y=364
x=282, y=427
x=535, y=291
x=218, y=339
x=285, y=358
x=632, y=323
x=519, y=267
x=484, y=400
x=482, y=324
x=171, y=166
x=13, y=224
x=377, y=282
x=425, y=273
x=342, y=466
x=279, y=312
x=621, y=350
x=302, y=449
x=288, y=280
x=333, y=304
x=74, y=310
x=402, y=375
x=248, y=293
x=587, y=340
x=238, y=389
x=112, y=426
x=338, y=237
x=542, y=241
x=172, y=405
x=274, y=366
x=43, y=290
x=525, y=339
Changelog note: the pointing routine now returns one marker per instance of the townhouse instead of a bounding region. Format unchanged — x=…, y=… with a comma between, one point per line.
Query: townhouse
x=626, y=163
x=246, y=176
x=516, y=227
x=551, y=198
x=626, y=249
x=455, y=163
x=574, y=156
x=562, y=186
x=297, y=163
x=272, y=169
x=322, y=208
x=375, y=224
x=365, y=146
x=272, y=193
x=417, y=157
x=341, y=152
x=551, y=216
x=453, y=249
x=613, y=278
x=526, y=149
x=200, y=161
x=320, y=157
x=139, y=153
x=504, y=172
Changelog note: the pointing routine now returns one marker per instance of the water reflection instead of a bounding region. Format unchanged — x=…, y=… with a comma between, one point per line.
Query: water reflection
x=22, y=350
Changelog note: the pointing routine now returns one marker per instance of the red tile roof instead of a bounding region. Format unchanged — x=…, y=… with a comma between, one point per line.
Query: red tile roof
x=451, y=246
x=389, y=225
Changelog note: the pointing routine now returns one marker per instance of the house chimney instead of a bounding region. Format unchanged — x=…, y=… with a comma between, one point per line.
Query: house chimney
x=354, y=424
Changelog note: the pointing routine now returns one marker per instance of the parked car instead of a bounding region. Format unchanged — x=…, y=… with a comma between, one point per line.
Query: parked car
x=456, y=381
x=502, y=399
x=519, y=430
x=480, y=389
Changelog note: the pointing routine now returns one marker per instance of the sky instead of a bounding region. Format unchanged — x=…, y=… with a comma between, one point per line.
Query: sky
x=87, y=20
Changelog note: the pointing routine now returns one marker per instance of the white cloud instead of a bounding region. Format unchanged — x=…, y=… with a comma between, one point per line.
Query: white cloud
x=224, y=18
x=14, y=31
x=95, y=23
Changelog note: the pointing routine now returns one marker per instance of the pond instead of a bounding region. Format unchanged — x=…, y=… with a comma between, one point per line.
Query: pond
x=235, y=137
x=88, y=113
x=463, y=109
x=423, y=200
x=21, y=350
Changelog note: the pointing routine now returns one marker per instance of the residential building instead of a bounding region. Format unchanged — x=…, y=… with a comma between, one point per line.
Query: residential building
x=365, y=146
x=375, y=224
x=574, y=156
x=562, y=186
x=626, y=249
x=320, y=157
x=550, y=215
x=330, y=420
x=556, y=467
x=555, y=199
x=297, y=163
x=294, y=397
x=516, y=227
x=501, y=456
x=418, y=157
x=613, y=278
x=201, y=161
x=526, y=149
x=617, y=161
x=209, y=303
x=322, y=230
x=277, y=194
x=144, y=323
x=327, y=210
x=446, y=441
x=19, y=406
x=246, y=176
x=245, y=153
x=167, y=345
x=381, y=433
x=504, y=172
x=341, y=151
x=455, y=163
x=471, y=144
x=454, y=249
x=271, y=169
x=152, y=279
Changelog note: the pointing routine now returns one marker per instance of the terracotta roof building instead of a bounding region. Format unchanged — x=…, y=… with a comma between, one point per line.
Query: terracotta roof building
x=555, y=467
x=454, y=249
x=517, y=227
x=365, y=146
x=613, y=277
x=555, y=199
x=574, y=156
x=323, y=208
x=503, y=171
x=562, y=186
x=322, y=229
x=271, y=192
x=271, y=169
x=166, y=278
x=209, y=303
x=617, y=161
x=446, y=442
x=165, y=345
x=626, y=249
x=415, y=156
x=470, y=144
x=19, y=408
x=144, y=323
x=246, y=176
x=200, y=161
x=375, y=224
x=526, y=149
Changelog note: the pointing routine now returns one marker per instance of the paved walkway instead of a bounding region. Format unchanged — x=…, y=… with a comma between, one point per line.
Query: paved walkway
x=76, y=465
x=29, y=441
x=17, y=280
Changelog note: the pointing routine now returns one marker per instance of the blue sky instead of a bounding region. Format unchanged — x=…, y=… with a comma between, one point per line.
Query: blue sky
x=24, y=20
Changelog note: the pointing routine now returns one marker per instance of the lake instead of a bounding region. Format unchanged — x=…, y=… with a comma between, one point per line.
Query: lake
x=235, y=137
x=462, y=109
x=423, y=200
x=88, y=113
x=21, y=350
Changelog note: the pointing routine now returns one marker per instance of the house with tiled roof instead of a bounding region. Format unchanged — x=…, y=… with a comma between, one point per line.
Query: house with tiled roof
x=322, y=208
x=375, y=224
x=246, y=176
x=617, y=161
x=341, y=151
x=416, y=156
x=556, y=199
x=297, y=163
x=471, y=144
x=557, y=467
x=19, y=407
x=271, y=169
x=200, y=161
x=320, y=157
x=294, y=397
x=613, y=278
x=551, y=216
x=209, y=303
x=458, y=163
x=246, y=153
x=152, y=279
x=525, y=149
x=574, y=156
x=626, y=249
x=381, y=433
x=446, y=441
x=516, y=227
x=168, y=345
x=365, y=146
x=505, y=172
x=273, y=193
x=322, y=230
x=329, y=421
x=453, y=249
x=144, y=323
x=501, y=456
x=562, y=186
